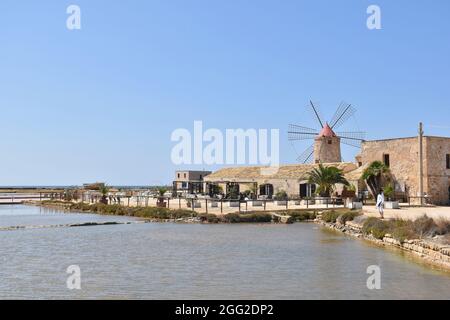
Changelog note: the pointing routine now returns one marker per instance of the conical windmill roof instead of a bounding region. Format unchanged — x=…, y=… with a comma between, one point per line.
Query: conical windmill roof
x=327, y=132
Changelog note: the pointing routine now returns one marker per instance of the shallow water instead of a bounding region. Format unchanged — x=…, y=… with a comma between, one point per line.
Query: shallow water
x=194, y=261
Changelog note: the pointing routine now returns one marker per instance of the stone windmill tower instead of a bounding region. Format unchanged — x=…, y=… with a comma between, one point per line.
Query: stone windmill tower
x=327, y=143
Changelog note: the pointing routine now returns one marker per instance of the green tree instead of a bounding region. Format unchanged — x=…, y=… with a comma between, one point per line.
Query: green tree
x=326, y=179
x=373, y=176
x=104, y=190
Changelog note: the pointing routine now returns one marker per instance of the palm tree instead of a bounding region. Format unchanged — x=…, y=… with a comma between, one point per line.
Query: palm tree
x=104, y=190
x=373, y=176
x=326, y=179
x=162, y=191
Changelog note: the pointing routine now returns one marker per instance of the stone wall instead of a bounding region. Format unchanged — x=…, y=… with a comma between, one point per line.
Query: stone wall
x=327, y=150
x=403, y=155
x=404, y=164
x=437, y=174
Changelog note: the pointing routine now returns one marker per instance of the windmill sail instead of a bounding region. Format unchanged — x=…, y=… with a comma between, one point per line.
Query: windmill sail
x=306, y=156
x=342, y=114
x=301, y=133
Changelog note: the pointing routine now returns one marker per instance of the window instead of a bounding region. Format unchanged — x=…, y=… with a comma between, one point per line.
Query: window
x=201, y=177
x=448, y=161
x=185, y=175
x=386, y=160
x=330, y=142
x=178, y=176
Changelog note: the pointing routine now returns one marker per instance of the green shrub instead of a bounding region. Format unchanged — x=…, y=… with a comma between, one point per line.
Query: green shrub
x=375, y=227
x=253, y=217
x=348, y=216
x=442, y=226
x=232, y=218
x=210, y=218
x=403, y=233
x=300, y=215
x=281, y=196
x=330, y=216
x=425, y=226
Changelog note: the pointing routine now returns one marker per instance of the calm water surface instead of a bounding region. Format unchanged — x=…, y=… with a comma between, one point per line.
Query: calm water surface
x=192, y=261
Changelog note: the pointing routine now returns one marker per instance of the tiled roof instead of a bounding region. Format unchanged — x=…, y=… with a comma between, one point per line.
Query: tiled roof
x=294, y=171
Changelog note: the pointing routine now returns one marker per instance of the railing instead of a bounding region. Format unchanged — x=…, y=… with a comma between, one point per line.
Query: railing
x=210, y=204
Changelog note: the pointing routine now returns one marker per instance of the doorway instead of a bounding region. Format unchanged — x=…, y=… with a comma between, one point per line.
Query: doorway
x=307, y=190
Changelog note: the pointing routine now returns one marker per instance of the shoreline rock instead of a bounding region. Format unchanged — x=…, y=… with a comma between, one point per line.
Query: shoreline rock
x=428, y=252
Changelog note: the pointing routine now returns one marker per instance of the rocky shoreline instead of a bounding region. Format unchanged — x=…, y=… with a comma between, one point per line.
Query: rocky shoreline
x=429, y=252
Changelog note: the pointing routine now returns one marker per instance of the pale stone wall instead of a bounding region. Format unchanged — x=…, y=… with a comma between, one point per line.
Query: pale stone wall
x=437, y=174
x=327, y=150
x=404, y=164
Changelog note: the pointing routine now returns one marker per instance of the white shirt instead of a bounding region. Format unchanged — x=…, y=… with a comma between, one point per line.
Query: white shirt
x=380, y=200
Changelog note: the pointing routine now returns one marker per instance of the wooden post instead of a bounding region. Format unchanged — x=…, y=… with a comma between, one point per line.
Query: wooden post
x=421, y=163
x=206, y=205
x=221, y=205
x=264, y=204
x=307, y=203
x=179, y=203
x=246, y=206
x=168, y=203
x=192, y=204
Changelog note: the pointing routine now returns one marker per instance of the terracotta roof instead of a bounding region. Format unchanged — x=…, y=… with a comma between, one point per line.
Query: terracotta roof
x=294, y=171
x=327, y=132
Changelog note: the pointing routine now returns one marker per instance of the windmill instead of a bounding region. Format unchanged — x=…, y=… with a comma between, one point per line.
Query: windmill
x=326, y=147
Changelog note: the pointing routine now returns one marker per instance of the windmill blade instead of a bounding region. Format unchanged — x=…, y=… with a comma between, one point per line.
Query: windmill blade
x=307, y=155
x=316, y=112
x=343, y=113
x=352, y=135
x=352, y=142
x=338, y=112
x=295, y=127
x=301, y=133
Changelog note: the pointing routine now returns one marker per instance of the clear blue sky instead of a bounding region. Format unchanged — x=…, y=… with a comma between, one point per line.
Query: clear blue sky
x=100, y=103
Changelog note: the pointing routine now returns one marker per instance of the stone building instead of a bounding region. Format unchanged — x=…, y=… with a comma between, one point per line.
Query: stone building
x=189, y=181
x=290, y=178
x=402, y=157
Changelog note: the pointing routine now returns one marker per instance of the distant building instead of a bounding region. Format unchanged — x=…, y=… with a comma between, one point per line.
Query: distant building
x=189, y=181
x=93, y=186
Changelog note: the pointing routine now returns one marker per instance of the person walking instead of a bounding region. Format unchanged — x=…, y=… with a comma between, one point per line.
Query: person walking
x=380, y=204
